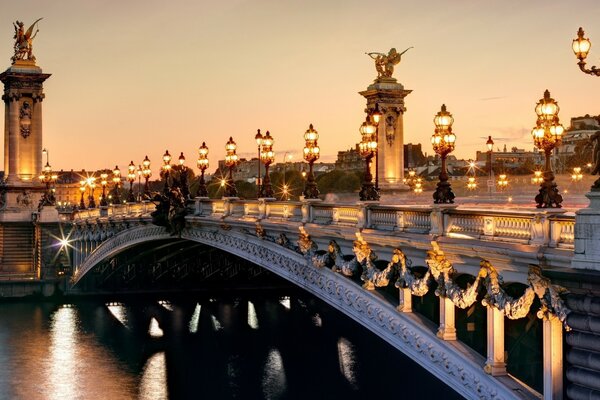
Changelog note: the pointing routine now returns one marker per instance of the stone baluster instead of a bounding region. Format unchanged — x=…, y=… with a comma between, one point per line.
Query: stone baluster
x=447, y=329
x=399, y=221
x=553, y=358
x=495, y=364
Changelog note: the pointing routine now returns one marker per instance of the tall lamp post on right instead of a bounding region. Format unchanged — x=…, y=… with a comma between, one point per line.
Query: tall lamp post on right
x=443, y=141
x=259, y=141
x=311, y=154
x=547, y=134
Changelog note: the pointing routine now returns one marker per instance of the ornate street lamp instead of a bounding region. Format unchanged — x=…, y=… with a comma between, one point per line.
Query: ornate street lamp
x=259, y=140
x=577, y=176
x=103, y=183
x=147, y=172
x=117, y=181
x=490, y=146
x=183, y=183
x=547, y=135
x=231, y=160
x=82, y=190
x=376, y=117
x=311, y=154
x=166, y=169
x=368, y=149
x=267, y=157
x=502, y=182
x=91, y=182
x=139, y=172
x=202, y=165
x=48, y=178
x=443, y=141
x=131, y=179
x=581, y=47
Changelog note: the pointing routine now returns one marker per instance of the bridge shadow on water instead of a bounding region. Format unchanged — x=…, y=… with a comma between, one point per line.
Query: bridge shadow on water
x=216, y=326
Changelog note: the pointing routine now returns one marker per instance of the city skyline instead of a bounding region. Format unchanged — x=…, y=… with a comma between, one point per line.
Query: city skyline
x=131, y=80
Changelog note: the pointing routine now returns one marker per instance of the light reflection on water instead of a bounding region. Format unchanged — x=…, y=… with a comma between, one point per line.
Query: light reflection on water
x=249, y=348
x=153, y=385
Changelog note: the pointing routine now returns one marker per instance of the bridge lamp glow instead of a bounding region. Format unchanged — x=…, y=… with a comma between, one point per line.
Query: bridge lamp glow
x=103, y=183
x=202, y=165
x=117, y=182
x=131, y=178
x=581, y=47
x=443, y=142
x=547, y=135
x=311, y=154
x=368, y=150
x=231, y=161
x=267, y=157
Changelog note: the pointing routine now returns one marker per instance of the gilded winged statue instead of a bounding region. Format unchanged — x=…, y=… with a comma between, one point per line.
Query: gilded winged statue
x=384, y=63
x=23, y=41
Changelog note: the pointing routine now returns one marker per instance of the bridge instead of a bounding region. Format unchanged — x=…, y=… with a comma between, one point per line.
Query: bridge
x=376, y=264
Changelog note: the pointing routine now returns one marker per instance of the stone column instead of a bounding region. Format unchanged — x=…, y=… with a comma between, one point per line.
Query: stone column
x=13, y=135
x=495, y=364
x=587, y=235
x=447, y=329
x=388, y=96
x=36, y=134
x=553, y=359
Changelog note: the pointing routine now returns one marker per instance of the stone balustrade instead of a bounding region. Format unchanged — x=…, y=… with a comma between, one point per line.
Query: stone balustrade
x=543, y=227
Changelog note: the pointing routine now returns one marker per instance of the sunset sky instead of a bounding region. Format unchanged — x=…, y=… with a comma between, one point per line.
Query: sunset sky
x=133, y=78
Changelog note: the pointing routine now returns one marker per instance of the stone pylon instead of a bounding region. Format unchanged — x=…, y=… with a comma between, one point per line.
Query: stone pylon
x=388, y=96
x=23, y=97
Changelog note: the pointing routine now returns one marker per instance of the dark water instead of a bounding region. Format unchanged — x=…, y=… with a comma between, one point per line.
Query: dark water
x=247, y=347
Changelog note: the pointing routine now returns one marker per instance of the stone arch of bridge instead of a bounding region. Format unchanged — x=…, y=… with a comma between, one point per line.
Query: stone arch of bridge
x=407, y=334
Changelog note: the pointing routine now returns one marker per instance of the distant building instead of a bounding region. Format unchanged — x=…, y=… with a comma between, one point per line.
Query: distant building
x=577, y=135
x=67, y=186
x=413, y=156
x=350, y=160
x=513, y=159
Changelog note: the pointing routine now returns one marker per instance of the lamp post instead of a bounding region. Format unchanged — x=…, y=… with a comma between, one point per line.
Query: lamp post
x=471, y=180
x=581, y=47
x=117, y=181
x=183, y=178
x=47, y=177
x=231, y=160
x=259, y=139
x=490, y=147
x=91, y=182
x=139, y=171
x=311, y=154
x=375, y=117
x=166, y=167
x=267, y=157
x=103, y=183
x=82, y=190
x=547, y=134
x=147, y=172
x=368, y=149
x=202, y=165
x=577, y=176
x=443, y=141
x=131, y=179
x=502, y=182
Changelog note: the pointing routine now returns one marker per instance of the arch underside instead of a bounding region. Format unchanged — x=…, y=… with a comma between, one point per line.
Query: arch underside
x=443, y=359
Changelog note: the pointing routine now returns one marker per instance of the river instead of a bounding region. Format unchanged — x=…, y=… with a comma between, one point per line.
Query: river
x=242, y=346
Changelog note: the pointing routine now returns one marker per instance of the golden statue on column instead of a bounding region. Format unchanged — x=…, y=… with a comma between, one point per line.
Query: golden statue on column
x=384, y=63
x=23, y=41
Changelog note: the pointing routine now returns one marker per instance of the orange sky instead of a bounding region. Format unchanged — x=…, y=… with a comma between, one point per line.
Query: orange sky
x=138, y=77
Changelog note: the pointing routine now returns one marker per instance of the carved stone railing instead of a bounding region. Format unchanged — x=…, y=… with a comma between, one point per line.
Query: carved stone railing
x=537, y=227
